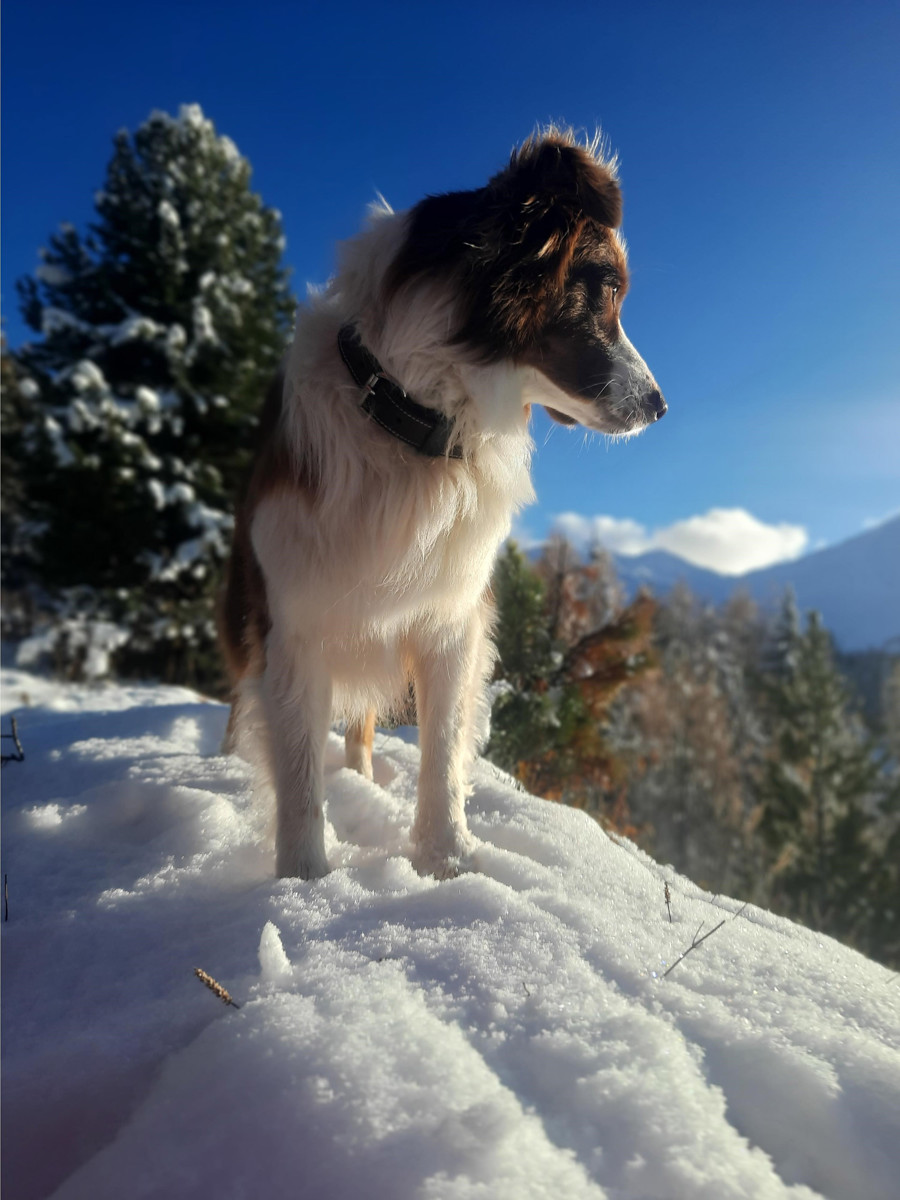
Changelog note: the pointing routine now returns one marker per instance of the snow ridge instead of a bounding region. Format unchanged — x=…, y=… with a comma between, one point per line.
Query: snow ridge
x=505, y=1034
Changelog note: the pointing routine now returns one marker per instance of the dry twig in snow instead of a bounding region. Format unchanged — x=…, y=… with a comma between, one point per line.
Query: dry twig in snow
x=697, y=940
x=19, y=755
x=214, y=986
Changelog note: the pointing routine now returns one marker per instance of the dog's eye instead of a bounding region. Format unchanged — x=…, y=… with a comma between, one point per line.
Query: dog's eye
x=614, y=288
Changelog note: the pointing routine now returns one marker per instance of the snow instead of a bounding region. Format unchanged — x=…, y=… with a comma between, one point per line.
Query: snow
x=505, y=1034
x=97, y=640
x=61, y=452
x=168, y=214
x=87, y=375
x=53, y=275
x=158, y=492
x=147, y=399
x=204, y=330
x=57, y=320
x=132, y=328
x=176, y=339
x=214, y=527
x=230, y=151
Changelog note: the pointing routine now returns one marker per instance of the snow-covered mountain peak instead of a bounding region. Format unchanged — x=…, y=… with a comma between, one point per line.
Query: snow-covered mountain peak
x=854, y=584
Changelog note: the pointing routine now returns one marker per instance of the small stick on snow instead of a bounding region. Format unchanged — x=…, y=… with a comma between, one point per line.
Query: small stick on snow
x=669, y=902
x=525, y=986
x=19, y=755
x=214, y=986
x=694, y=944
x=697, y=940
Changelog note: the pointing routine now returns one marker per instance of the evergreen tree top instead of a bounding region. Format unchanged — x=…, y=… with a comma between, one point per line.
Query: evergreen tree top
x=182, y=252
x=161, y=327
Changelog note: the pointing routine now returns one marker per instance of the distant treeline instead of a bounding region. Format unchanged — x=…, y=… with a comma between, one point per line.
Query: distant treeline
x=729, y=743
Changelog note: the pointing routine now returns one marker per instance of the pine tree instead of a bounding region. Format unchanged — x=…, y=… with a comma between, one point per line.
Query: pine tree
x=523, y=717
x=819, y=792
x=16, y=413
x=160, y=329
x=786, y=638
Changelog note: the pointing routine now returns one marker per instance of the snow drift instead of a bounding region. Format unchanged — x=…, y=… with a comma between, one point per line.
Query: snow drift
x=506, y=1034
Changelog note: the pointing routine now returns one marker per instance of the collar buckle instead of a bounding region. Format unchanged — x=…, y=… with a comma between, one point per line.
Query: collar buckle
x=368, y=388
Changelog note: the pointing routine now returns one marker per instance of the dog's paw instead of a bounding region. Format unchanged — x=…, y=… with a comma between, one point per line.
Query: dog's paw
x=451, y=869
x=445, y=860
x=302, y=865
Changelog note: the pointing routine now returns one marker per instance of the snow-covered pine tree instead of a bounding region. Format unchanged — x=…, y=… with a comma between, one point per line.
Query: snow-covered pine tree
x=159, y=331
x=820, y=793
x=16, y=410
x=783, y=653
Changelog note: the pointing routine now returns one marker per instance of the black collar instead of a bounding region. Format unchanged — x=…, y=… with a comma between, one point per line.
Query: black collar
x=385, y=401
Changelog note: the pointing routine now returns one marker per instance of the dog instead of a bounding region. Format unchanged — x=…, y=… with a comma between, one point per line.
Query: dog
x=394, y=451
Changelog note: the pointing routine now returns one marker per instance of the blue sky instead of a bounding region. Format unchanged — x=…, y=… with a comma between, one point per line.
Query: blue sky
x=760, y=158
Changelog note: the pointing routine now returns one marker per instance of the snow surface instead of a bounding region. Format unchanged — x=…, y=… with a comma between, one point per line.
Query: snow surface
x=506, y=1034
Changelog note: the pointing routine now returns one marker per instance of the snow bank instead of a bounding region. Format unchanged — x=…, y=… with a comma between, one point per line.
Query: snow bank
x=505, y=1034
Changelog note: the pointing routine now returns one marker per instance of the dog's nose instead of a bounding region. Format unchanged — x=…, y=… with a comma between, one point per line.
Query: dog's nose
x=655, y=405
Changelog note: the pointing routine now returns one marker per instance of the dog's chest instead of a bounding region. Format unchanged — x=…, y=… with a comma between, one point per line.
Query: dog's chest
x=443, y=547
x=387, y=556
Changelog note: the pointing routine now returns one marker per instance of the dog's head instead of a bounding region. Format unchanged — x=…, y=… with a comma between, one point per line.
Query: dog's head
x=540, y=274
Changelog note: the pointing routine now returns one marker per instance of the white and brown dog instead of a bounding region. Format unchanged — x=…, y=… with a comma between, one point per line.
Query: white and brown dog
x=394, y=452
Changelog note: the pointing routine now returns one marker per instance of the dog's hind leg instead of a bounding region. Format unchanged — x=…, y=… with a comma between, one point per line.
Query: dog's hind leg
x=358, y=744
x=296, y=697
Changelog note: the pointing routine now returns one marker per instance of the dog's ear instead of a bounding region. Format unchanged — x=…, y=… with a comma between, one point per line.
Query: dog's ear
x=552, y=177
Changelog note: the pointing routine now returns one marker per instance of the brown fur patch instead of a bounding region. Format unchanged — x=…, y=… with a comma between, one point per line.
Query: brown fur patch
x=576, y=350
x=509, y=246
x=362, y=733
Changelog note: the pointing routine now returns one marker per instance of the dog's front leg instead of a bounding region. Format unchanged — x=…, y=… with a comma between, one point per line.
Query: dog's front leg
x=297, y=704
x=448, y=682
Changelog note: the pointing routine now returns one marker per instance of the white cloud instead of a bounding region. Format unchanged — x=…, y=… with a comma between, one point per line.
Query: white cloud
x=621, y=536
x=728, y=540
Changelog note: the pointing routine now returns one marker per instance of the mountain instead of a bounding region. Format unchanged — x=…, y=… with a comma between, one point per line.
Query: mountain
x=855, y=584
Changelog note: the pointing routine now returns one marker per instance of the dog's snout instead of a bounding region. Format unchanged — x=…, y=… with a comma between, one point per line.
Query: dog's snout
x=655, y=405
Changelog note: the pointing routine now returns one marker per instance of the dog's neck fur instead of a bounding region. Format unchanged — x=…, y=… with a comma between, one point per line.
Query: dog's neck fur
x=411, y=339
